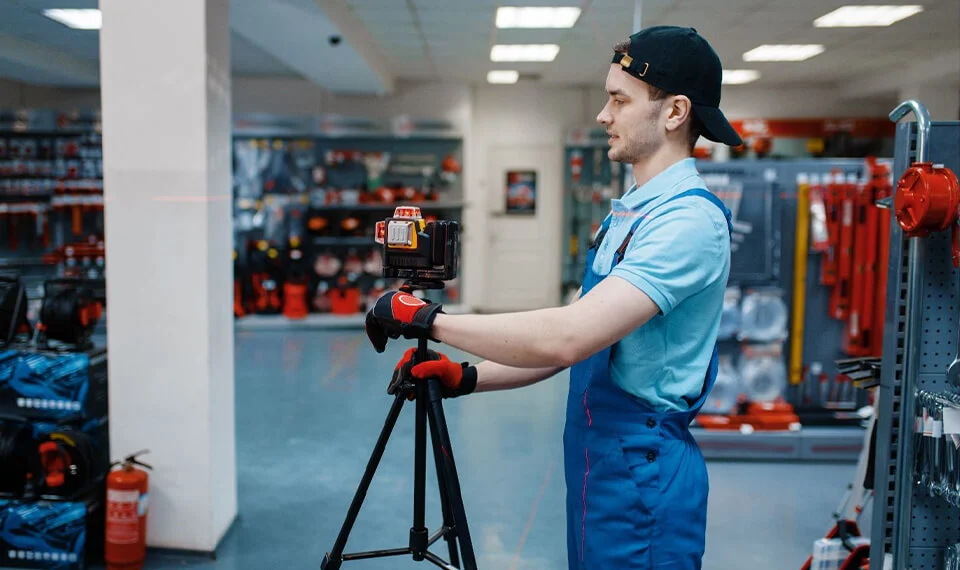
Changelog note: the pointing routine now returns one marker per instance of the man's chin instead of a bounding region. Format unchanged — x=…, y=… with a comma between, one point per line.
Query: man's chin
x=615, y=155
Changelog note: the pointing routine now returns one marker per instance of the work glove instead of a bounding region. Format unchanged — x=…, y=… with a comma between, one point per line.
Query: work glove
x=398, y=313
x=456, y=379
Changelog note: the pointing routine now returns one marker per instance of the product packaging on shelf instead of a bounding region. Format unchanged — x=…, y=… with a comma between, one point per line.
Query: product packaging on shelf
x=54, y=386
x=52, y=535
x=763, y=373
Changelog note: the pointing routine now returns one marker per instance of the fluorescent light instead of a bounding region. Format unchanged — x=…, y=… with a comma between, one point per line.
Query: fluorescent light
x=783, y=52
x=740, y=76
x=863, y=16
x=524, y=52
x=83, y=19
x=503, y=76
x=536, y=17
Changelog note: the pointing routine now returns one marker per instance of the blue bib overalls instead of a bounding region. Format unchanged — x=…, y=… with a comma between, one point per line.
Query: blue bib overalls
x=636, y=480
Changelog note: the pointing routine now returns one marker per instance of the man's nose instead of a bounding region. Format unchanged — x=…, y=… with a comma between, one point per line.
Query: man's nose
x=604, y=117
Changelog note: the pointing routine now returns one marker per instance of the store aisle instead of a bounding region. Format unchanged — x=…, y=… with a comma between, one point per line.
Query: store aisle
x=311, y=403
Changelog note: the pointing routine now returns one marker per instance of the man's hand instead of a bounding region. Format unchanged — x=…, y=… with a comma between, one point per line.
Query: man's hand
x=397, y=314
x=455, y=379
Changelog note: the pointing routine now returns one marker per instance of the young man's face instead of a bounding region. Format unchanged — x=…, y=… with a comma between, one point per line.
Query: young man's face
x=634, y=122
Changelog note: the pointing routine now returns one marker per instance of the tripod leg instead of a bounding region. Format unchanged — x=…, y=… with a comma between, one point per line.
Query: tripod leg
x=418, y=533
x=449, y=524
x=334, y=558
x=438, y=425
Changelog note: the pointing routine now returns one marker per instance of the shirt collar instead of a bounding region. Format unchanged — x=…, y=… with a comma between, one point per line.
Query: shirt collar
x=666, y=181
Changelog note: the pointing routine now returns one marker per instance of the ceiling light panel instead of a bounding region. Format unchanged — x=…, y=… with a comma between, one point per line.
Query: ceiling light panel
x=865, y=16
x=740, y=76
x=503, y=76
x=524, y=52
x=82, y=19
x=787, y=52
x=537, y=17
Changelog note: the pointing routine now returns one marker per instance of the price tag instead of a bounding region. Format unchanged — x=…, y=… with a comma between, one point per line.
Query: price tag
x=951, y=420
x=937, y=429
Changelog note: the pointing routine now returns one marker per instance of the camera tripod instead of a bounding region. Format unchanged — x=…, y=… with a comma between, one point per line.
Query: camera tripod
x=428, y=408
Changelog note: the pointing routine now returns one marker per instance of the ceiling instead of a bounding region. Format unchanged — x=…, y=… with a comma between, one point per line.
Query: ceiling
x=427, y=39
x=385, y=41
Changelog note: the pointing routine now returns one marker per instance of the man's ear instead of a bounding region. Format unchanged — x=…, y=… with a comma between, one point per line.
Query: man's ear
x=679, y=112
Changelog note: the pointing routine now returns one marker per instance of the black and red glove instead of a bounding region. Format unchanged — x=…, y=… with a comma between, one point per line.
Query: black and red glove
x=456, y=379
x=396, y=314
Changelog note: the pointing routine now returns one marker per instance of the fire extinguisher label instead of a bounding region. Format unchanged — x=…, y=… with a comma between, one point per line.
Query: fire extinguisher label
x=123, y=523
x=143, y=505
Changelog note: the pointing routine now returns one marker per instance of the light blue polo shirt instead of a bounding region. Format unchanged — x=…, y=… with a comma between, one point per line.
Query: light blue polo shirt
x=680, y=257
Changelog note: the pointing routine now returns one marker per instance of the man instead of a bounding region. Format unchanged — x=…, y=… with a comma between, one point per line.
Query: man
x=641, y=337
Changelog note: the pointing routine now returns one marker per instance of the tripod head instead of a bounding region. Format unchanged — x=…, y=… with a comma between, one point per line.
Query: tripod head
x=411, y=285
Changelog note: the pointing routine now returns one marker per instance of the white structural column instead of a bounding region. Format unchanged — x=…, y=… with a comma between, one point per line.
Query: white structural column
x=165, y=84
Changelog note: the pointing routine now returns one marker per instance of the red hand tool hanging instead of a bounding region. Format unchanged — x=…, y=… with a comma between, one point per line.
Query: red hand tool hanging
x=852, y=328
x=828, y=262
x=870, y=235
x=859, y=323
x=840, y=299
x=883, y=189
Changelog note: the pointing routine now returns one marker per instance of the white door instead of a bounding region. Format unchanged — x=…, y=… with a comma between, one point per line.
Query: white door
x=523, y=264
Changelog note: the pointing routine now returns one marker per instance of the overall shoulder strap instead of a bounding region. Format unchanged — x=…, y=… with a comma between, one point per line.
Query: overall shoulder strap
x=704, y=193
x=602, y=232
x=701, y=192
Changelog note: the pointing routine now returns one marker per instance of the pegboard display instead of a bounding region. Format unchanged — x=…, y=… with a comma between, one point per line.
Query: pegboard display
x=909, y=524
x=765, y=228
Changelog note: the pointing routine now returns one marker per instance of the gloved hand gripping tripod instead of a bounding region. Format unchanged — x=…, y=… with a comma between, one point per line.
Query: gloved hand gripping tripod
x=428, y=407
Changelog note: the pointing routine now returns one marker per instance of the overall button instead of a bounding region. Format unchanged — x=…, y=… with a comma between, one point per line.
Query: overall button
x=651, y=456
x=651, y=423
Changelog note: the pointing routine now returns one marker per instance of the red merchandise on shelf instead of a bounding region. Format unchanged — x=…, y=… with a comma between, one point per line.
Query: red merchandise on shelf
x=760, y=416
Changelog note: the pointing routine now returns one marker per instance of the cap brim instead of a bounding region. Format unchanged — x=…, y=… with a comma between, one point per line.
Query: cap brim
x=716, y=127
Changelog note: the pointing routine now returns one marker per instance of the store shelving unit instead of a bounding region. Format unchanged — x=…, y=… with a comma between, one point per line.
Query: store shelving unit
x=51, y=198
x=909, y=525
x=318, y=185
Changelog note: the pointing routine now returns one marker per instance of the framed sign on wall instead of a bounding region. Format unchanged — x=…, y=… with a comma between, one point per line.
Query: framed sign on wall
x=521, y=192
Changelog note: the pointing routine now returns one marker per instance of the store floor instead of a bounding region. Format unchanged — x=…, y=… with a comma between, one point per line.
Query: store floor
x=311, y=403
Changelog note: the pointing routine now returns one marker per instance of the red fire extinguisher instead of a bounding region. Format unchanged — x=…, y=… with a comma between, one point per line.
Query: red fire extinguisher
x=126, y=524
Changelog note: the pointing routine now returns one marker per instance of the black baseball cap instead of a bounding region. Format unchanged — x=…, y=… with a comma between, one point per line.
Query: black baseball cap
x=681, y=62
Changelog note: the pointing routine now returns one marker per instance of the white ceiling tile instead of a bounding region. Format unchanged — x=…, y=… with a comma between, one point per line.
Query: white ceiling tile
x=396, y=14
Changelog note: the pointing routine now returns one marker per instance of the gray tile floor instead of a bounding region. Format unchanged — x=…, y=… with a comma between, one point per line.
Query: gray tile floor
x=310, y=405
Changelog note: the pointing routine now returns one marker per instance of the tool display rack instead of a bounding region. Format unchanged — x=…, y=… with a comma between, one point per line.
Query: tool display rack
x=764, y=233
x=313, y=138
x=586, y=201
x=908, y=523
x=761, y=258
x=51, y=198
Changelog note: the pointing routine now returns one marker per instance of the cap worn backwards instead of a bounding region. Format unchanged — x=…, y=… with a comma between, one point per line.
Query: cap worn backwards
x=680, y=61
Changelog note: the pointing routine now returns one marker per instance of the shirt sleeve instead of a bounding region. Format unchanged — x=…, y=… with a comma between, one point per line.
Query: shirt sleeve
x=676, y=254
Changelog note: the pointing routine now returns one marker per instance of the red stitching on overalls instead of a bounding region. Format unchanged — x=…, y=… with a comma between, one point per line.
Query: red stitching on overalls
x=583, y=518
x=587, y=408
